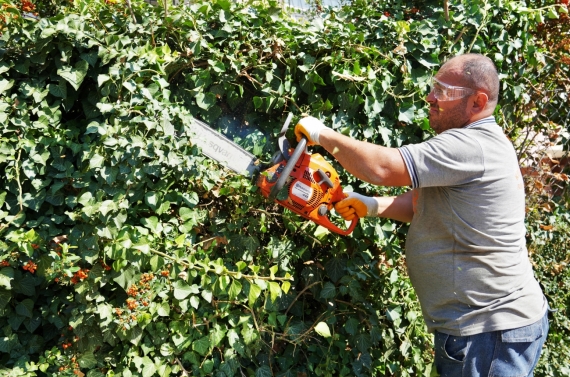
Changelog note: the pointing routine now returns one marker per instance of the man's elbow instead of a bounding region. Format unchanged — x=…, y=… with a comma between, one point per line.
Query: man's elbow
x=389, y=177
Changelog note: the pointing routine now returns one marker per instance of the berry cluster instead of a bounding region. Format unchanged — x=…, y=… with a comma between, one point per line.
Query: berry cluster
x=80, y=275
x=30, y=266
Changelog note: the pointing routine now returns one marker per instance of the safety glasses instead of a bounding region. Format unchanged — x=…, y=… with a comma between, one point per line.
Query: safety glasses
x=446, y=92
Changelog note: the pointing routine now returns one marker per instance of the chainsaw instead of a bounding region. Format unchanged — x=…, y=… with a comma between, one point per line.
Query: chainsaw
x=304, y=183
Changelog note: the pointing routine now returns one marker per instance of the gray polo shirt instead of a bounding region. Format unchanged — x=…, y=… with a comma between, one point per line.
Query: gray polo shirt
x=465, y=250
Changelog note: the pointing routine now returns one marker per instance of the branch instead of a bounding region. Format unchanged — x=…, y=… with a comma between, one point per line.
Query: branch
x=299, y=295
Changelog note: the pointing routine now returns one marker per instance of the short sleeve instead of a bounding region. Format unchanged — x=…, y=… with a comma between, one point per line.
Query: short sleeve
x=451, y=158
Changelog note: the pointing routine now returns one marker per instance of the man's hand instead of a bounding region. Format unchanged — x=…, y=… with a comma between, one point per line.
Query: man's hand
x=310, y=128
x=356, y=205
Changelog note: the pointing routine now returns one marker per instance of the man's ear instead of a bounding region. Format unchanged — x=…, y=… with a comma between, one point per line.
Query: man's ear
x=480, y=102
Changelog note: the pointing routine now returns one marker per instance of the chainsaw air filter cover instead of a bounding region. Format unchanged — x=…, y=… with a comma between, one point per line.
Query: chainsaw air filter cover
x=310, y=189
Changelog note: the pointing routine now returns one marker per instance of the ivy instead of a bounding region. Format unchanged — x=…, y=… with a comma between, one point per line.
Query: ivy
x=124, y=251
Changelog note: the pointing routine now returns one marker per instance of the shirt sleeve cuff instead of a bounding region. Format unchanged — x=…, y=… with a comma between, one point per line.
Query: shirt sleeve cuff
x=409, y=161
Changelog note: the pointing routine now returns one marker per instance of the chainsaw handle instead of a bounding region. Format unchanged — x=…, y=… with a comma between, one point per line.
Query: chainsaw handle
x=324, y=221
x=288, y=168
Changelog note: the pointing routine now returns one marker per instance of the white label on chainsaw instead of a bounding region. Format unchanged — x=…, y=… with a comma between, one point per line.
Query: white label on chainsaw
x=302, y=191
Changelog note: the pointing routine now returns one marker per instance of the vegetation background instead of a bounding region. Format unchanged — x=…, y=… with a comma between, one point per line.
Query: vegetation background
x=125, y=252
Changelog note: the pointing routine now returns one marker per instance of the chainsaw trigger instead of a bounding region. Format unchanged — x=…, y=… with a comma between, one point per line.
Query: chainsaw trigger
x=323, y=210
x=324, y=178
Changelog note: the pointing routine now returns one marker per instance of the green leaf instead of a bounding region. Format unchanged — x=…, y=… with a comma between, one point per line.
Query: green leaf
x=58, y=90
x=149, y=369
x=6, y=275
x=407, y=113
x=205, y=101
x=328, y=291
x=202, y=345
x=263, y=371
x=274, y=290
x=25, y=285
x=7, y=343
x=351, y=326
x=217, y=335
x=207, y=295
x=25, y=308
x=126, y=277
x=335, y=268
x=5, y=298
x=96, y=161
x=254, y=292
x=5, y=85
x=323, y=329
x=182, y=290
x=235, y=289
x=163, y=309
x=75, y=75
x=363, y=342
x=87, y=360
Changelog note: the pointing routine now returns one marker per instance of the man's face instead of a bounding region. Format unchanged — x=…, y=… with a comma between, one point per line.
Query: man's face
x=448, y=114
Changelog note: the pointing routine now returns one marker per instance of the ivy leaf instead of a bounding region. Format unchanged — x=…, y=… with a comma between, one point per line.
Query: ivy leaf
x=87, y=360
x=205, y=101
x=5, y=297
x=126, y=277
x=5, y=85
x=250, y=243
x=363, y=342
x=263, y=371
x=182, y=290
x=323, y=329
x=201, y=345
x=25, y=285
x=163, y=309
x=217, y=335
x=274, y=290
x=235, y=289
x=33, y=323
x=75, y=75
x=328, y=291
x=195, y=302
x=58, y=90
x=25, y=308
x=8, y=342
x=207, y=295
x=407, y=112
x=254, y=292
x=6, y=275
x=351, y=326
x=335, y=268
x=149, y=369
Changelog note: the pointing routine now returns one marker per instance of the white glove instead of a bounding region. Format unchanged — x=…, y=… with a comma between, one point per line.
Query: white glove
x=356, y=206
x=310, y=128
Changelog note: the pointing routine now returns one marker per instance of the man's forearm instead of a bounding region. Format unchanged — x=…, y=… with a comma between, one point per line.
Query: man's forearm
x=398, y=208
x=369, y=162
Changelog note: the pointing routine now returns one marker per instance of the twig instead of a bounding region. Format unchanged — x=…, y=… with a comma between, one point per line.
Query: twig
x=20, y=199
x=131, y=10
x=299, y=295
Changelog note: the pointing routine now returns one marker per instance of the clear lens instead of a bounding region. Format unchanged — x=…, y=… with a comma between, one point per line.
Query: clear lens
x=445, y=92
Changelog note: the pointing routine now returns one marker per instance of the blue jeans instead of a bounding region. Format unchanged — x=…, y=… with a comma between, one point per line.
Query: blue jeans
x=507, y=353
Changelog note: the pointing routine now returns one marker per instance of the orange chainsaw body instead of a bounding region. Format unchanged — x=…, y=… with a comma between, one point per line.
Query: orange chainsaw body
x=311, y=190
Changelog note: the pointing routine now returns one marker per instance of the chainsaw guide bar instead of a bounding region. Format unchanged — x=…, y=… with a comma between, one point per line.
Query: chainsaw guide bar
x=221, y=149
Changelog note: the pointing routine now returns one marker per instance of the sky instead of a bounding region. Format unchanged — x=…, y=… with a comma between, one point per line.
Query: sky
x=303, y=3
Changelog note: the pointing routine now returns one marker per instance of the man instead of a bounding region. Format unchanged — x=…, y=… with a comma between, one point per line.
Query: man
x=465, y=249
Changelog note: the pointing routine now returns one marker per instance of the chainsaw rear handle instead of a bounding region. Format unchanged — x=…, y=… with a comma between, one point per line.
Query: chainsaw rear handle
x=288, y=168
x=324, y=221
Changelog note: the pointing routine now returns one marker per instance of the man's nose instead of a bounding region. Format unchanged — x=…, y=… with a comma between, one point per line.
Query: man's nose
x=431, y=97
